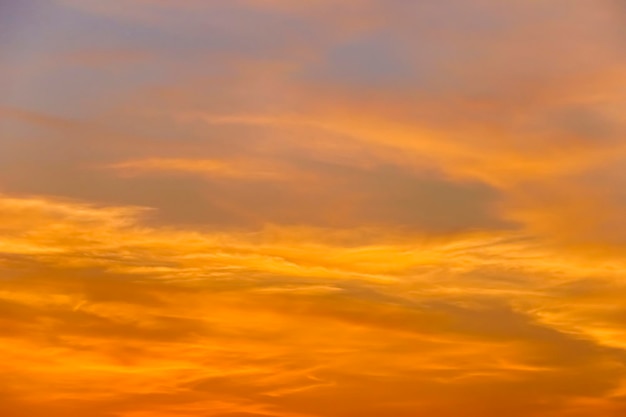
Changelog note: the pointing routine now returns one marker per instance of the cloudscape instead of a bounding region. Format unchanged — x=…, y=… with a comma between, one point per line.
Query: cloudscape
x=312, y=208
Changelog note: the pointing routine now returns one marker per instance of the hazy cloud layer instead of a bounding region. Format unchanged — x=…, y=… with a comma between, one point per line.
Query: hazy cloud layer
x=313, y=208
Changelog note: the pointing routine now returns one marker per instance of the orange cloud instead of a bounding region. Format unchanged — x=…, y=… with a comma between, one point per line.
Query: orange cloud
x=280, y=323
x=212, y=168
x=313, y=209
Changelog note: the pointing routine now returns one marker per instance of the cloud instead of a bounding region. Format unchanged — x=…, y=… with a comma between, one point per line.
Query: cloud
x=309, y=209
x=210, y=168
x=121, y=298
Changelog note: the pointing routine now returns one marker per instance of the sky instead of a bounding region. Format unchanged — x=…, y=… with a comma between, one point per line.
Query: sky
x=312, y=208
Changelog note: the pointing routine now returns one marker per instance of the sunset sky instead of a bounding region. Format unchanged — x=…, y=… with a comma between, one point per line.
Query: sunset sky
x=312, y=208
